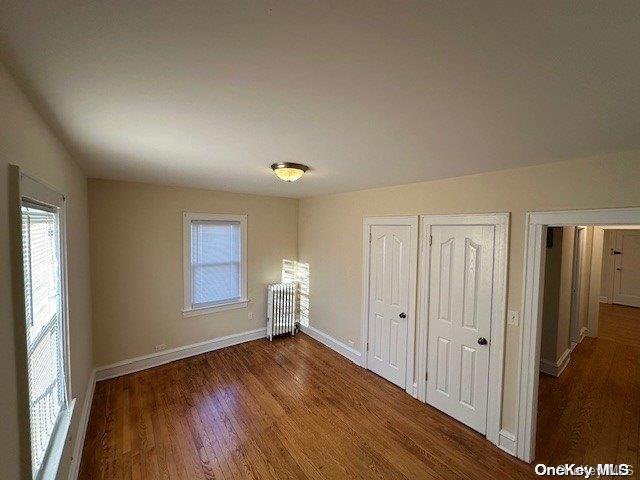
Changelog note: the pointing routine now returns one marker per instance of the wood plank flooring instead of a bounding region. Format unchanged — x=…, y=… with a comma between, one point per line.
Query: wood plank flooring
x=283, y=410
x=591, y=413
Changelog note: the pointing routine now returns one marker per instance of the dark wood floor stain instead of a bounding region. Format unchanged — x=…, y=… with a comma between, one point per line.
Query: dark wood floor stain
x=290, y=409
x=591, y=413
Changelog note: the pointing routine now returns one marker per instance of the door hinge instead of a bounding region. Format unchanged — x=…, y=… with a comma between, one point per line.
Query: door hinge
x=367, y=346
x=369, y=236
x=430, y=239
x=426, y=375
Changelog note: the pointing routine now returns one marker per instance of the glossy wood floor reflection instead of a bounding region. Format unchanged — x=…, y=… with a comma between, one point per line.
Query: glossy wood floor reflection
x=591, y=413
x=288, y=409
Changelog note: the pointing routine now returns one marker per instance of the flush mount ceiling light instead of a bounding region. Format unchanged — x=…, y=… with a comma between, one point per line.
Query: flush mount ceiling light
x=289, y=172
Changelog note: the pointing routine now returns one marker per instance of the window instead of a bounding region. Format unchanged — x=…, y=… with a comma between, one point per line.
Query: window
x=42, y=213
x=215, y=263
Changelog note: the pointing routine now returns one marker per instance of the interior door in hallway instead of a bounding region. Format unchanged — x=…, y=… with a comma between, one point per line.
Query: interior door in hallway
x=389, y=287
x=460, y=301
x=626, y=276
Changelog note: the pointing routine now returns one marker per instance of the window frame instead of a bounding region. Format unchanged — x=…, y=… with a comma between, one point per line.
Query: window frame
x=34, y=193
x=188, y=309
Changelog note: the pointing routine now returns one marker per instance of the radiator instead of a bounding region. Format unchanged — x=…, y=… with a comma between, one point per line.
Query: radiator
x=281, y=309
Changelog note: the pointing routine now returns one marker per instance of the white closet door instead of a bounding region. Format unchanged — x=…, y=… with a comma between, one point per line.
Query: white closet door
x=389, y=278
x=459, y=333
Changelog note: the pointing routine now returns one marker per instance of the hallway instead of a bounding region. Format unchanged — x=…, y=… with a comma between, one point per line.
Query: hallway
x=591, y=413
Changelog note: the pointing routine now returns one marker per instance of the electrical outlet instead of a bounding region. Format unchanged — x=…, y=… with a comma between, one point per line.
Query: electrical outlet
x=250, y=315
x=513, y=318
x=160, y=347
x=352, y=343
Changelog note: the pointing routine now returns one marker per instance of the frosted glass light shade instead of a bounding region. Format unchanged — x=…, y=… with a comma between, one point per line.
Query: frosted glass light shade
x=289, y=172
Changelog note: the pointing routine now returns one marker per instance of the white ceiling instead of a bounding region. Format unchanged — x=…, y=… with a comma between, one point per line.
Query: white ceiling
x=368, y=93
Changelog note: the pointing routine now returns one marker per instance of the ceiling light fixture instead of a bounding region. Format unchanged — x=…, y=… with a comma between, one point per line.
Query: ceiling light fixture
x=289, y=172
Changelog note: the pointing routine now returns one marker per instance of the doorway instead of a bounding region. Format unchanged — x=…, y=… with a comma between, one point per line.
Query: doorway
x=390, y=270
x=626, y=274
x=537, y=225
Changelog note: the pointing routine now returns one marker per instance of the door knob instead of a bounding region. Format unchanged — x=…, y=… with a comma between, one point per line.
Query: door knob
x=403, y=315
x=482, y=341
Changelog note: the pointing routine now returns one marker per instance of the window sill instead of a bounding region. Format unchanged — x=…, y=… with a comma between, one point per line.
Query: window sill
x=49, y=469
x=194, y=312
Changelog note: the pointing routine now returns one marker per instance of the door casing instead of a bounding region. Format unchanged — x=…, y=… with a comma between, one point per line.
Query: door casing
x=577, y=300
x=533, y=286
x=411, y=221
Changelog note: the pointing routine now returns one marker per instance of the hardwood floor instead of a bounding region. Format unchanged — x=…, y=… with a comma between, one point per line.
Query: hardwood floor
x=288, y=409
x=591, y=413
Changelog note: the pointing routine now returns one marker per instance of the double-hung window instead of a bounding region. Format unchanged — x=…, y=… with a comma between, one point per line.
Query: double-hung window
x=215, y=262
x=45, y=319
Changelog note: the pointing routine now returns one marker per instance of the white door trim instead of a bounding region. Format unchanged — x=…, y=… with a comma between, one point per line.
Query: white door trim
x=530, y=334
x=499, y=306
x=579, y=247
x=411, y=221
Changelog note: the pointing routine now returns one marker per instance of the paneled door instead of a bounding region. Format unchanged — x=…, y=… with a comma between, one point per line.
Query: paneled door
x=389, y=292
x=626, y=276
x=459, y=321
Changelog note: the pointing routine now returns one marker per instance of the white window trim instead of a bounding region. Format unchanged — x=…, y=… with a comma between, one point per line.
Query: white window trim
x=37, y=192
x=188, y=310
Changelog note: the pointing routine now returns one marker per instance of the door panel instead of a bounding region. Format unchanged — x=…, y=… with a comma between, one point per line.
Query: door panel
x=626, y=287
x=461, y=276
x=388, y=298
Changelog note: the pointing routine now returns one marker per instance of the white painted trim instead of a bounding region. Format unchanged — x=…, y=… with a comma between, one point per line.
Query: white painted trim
x=498, y=315
x=530, y=333
x=595, y=281
x=76, y=457
x=507, y=442
x=411, y=221
x=336, y=345
x=194, y=312
x=51, y=464
x=136, y=364
x=577, y=269
x=604, y=299
x=584, y=332
x=188, y=310
x=556, y=368
x=30, y=190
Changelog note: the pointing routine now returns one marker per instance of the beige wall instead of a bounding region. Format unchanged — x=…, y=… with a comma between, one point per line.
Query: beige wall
x=330, y=231
x=551, y=297
x=563, y=339
x=27, y=142
x=136, y=259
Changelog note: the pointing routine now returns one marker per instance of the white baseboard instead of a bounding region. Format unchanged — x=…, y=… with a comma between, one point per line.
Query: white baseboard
x=413, y=390
x=343, y=349
x=556, y=368
x=584, y=332
x=604, y=299
x=136, y=364
x=507, y=442
x=76, y=457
